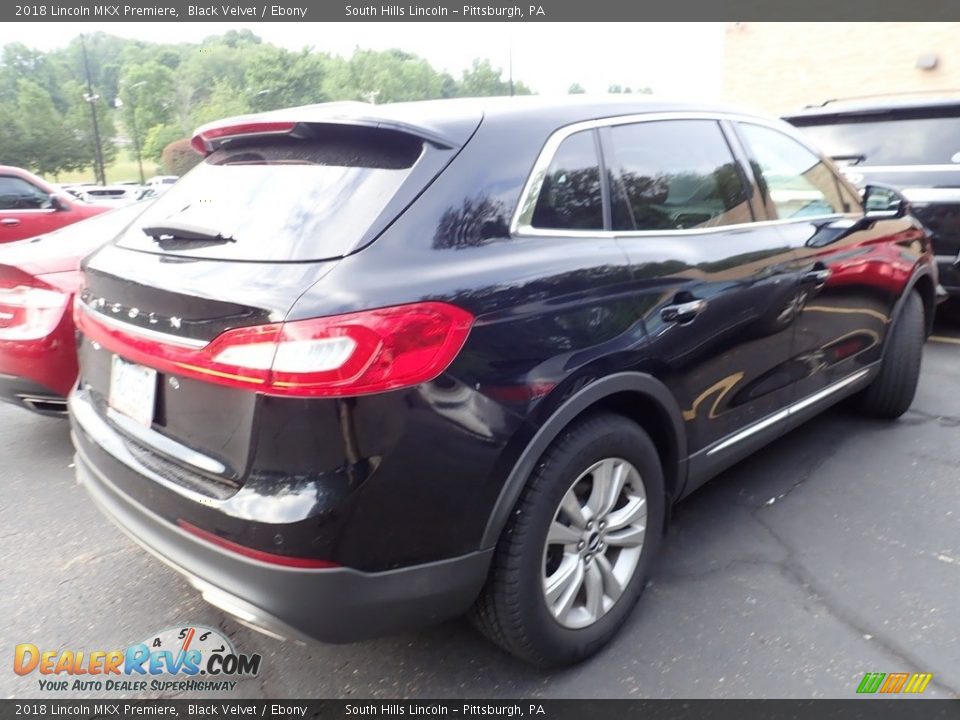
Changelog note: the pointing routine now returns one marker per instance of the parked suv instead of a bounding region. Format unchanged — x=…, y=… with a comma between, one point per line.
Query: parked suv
x=370, y=367
x=910, y=143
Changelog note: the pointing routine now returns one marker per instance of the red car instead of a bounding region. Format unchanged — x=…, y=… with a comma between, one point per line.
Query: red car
x=30, y=207
x=38, y=278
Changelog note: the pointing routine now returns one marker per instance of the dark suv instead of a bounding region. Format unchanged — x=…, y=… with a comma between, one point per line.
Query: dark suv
x=370, y=367
x=909, y=143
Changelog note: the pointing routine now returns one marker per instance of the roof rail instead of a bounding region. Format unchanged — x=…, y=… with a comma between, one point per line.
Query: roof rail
x=941, y=91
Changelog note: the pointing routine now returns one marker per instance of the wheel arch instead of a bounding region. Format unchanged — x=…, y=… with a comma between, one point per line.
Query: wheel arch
x=923, y=283
x=637, y=396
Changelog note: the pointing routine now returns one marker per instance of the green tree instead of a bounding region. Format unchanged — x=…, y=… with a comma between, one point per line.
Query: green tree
x=575, y=89
x=158, y=137
x=12, y=150
x=385, y=76
x=79, y=119
x=225, y=101
x=483, y=80
x=46, y=142
x=278, y=78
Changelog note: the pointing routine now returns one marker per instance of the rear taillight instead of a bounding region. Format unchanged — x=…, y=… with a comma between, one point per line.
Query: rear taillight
x=355, y=354
x=29, y=311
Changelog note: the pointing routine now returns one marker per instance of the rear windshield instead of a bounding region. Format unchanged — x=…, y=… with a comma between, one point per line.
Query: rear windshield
x=908, y=141
x=281, y=199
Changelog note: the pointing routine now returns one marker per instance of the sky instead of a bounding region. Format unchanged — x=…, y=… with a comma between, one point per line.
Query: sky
x=681, y=60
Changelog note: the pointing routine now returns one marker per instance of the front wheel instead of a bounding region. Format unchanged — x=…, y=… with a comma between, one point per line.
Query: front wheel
x=574, y=557
x=891, y=392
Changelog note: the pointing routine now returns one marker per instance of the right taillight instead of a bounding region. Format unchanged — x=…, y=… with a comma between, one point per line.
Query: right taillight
x=29, y=311
x=353, y=354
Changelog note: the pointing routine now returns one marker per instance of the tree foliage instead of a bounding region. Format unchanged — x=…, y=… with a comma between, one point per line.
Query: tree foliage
x=151, y=94
x=179, y=157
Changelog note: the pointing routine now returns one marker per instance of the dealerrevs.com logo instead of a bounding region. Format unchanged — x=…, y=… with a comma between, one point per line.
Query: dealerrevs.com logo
x=187, y=658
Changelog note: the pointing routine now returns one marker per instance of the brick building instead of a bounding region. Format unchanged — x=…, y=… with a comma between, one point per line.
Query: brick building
x=779, y=67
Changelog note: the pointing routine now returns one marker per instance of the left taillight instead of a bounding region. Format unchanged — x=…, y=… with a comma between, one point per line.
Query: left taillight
x=344, y=355
x=29, y=309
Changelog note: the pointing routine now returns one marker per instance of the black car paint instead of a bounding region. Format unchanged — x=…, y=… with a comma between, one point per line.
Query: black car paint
x=941, y=216
x=563, y=324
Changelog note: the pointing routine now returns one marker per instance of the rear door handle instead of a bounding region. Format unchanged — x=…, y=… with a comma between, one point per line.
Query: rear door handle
x=683, y=312
x=9, y=222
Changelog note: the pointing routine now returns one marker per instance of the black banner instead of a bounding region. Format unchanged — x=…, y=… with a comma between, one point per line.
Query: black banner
x=470, y=10
x=489, y=709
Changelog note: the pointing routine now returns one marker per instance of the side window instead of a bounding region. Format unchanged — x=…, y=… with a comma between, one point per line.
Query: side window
x=794, y=182
x=571, y=198
x=18, y=194
x=675, y=174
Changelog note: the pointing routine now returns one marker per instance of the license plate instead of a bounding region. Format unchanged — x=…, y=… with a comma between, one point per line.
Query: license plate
x=133, y=390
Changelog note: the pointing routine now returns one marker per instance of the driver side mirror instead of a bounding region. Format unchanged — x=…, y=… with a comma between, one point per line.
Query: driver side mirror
x=58, y=204
x=883, y=201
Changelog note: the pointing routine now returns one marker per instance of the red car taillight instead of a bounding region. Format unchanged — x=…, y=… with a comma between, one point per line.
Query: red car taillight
x=29, y=309
x=354, y=354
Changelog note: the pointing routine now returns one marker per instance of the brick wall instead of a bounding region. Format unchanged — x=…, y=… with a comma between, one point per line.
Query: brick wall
x=779, y=67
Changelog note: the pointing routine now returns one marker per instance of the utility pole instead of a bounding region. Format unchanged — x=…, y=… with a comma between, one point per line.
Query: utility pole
x=510, y=63
x=99, y=171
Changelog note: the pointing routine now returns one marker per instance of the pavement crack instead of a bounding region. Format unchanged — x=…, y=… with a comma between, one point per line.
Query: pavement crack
x=794, y=571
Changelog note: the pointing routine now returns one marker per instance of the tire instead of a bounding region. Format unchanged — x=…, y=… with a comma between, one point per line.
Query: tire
x=892, y=391
x=513, y=609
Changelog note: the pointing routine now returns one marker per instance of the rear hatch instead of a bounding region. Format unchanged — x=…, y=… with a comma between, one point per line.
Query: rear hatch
x=230, y=248
x=916, y=150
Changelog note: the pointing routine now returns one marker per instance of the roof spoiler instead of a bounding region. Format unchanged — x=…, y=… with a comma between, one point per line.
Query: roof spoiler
x=296, y=121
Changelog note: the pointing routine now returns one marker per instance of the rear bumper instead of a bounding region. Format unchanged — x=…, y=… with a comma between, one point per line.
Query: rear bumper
x=45, y=367
x=332, y=605
x=32, y=396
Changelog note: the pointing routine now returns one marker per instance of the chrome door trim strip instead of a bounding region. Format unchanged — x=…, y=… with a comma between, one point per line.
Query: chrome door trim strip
x=788, y=411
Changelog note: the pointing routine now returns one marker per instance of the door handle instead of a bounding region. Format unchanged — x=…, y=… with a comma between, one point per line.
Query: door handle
x=817, y=278
x=683, y=312
x=9, y=222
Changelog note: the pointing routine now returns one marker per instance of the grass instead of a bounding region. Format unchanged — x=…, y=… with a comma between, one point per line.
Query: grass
x=123, y=168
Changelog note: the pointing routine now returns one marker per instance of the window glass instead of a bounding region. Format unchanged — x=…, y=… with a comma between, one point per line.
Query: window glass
x=895, y=141
x=18, y=194
x=282, y=198
x=794, y=182
x=571, y=198
x=675, y=174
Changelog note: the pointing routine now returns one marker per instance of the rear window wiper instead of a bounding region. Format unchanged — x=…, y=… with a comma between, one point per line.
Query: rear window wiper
x=173, y=230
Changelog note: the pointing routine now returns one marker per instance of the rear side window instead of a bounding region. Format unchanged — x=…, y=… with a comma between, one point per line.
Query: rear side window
x=794, y=182
x=281, y=199
x=675, y=174
x=571, y=197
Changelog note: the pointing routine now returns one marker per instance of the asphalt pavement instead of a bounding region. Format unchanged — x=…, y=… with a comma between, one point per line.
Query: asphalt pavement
x=833, y=552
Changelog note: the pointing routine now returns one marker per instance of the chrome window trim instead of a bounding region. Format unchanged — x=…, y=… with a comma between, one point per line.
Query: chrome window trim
x=520, y=223
x=139, y=331
x=943, y=167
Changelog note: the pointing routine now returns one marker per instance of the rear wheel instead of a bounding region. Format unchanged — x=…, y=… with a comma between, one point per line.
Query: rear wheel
x=892, y=392
x=574, y=556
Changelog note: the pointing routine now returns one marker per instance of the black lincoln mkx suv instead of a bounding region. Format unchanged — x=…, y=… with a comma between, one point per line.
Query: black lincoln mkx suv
x=370, y=367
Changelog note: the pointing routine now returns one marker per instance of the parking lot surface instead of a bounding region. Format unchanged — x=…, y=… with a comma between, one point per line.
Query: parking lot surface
x=833, y=552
